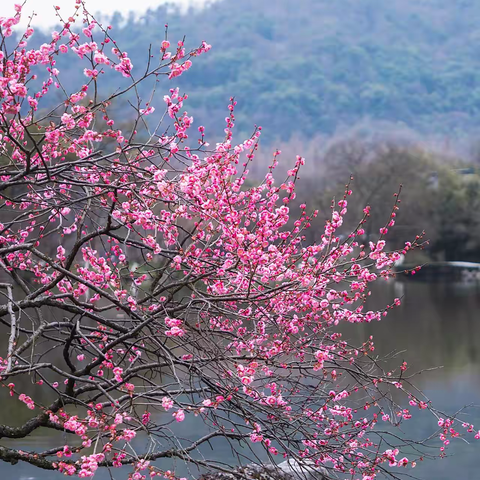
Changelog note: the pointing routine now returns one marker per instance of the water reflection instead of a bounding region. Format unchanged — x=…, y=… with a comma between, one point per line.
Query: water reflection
x=436, y=325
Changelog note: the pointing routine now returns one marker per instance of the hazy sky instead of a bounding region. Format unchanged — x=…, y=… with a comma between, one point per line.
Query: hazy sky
x=46, y=16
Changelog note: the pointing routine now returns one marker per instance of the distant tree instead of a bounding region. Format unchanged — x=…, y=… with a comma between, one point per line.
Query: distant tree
x=455, y=215
x=377, y=170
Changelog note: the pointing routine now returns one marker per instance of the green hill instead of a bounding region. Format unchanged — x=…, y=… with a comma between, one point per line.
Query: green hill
x=313, y=66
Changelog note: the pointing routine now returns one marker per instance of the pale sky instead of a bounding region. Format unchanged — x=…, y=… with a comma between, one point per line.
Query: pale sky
x=46, y=17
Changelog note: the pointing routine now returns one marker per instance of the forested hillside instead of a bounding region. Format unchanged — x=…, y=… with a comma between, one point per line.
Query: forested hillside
x=312, y=66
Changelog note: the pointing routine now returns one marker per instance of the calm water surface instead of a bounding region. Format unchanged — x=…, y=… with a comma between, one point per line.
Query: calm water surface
x=438, y=325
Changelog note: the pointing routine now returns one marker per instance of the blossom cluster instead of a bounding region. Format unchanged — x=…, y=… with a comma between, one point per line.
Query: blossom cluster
x=177, y=285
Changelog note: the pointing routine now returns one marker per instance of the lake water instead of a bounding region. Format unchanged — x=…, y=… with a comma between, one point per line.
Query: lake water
x=438, y=325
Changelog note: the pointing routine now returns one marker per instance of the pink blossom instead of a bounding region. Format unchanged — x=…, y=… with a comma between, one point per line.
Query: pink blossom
x=167, y=403
x=179, y=415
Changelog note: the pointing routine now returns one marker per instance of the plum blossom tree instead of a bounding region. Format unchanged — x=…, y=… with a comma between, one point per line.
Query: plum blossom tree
x=144, y=285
